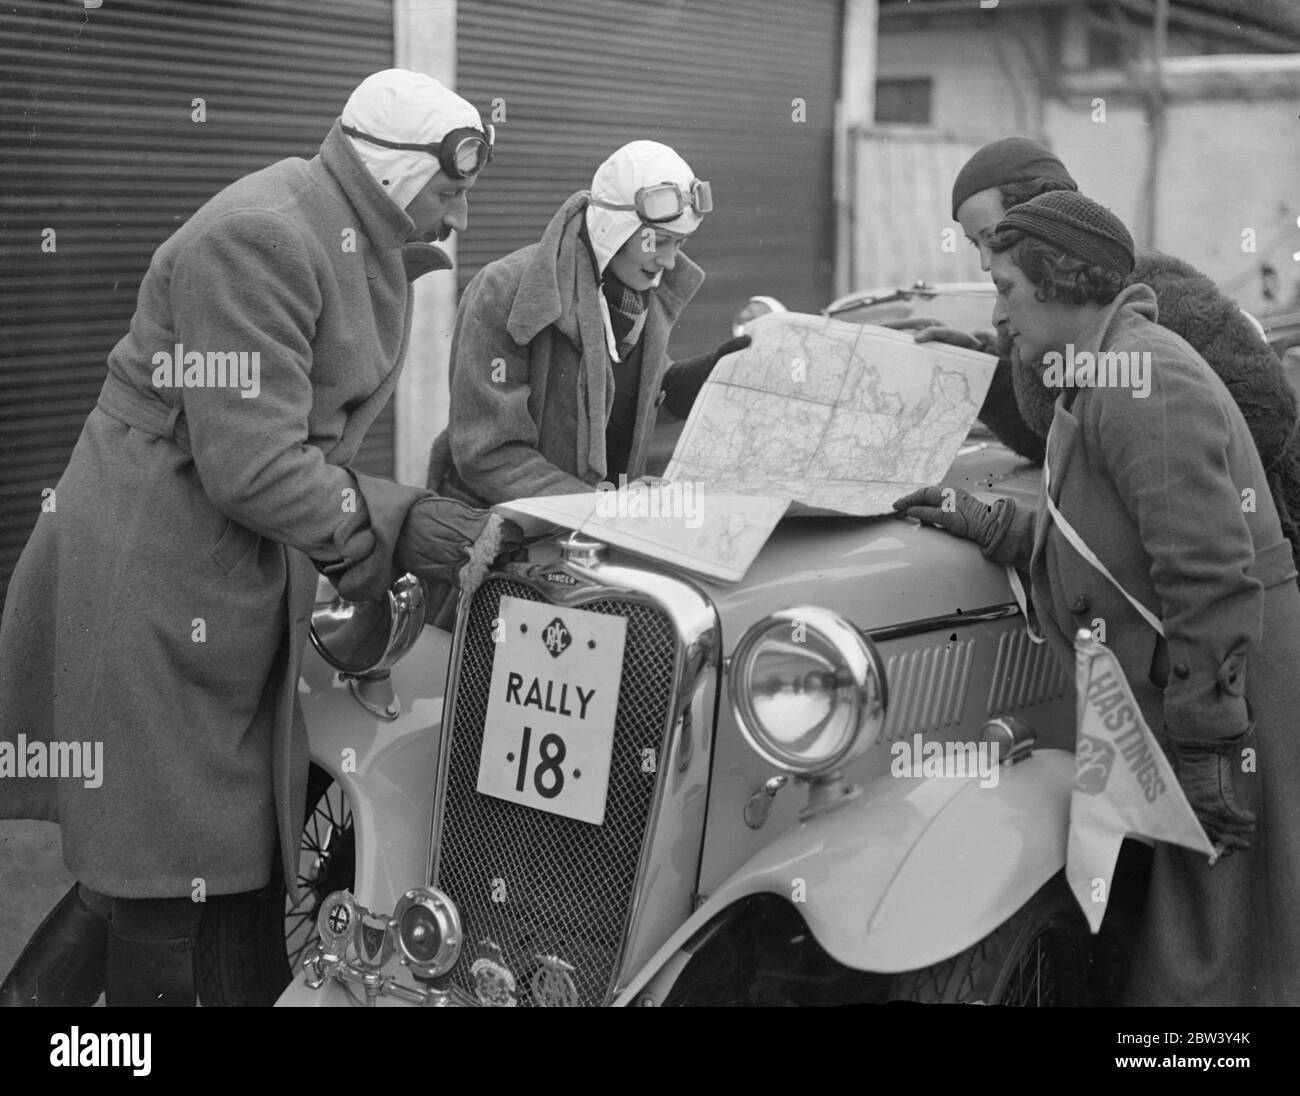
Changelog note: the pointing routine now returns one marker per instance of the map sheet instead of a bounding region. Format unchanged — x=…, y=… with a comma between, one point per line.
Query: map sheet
x=712, y=533
x=836, y=416
x=827, y=415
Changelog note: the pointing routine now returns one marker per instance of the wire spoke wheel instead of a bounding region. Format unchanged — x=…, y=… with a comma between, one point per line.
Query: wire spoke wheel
x=326, y=863
x=1037, y=958
x=1033, y=982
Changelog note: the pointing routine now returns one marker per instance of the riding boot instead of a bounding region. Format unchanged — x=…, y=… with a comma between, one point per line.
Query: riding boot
x=151, y=953
x=63, y=962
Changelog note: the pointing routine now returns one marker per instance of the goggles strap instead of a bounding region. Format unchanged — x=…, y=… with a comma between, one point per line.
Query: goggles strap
x=445, y=155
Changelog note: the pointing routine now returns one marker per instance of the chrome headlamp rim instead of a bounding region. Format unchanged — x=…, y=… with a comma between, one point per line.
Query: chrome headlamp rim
x=861, y=685
x=343, y=632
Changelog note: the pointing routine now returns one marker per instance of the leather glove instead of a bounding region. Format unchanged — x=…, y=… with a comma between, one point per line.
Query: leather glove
x=1204, y=769
x=961, y=514
x=736, y=342
x=683, y=381
x=440, y=536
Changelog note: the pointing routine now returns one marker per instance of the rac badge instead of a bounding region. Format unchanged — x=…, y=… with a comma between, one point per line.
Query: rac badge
x=1094, y=759
x=494, y=985
x=557, y=638
x=553, y=985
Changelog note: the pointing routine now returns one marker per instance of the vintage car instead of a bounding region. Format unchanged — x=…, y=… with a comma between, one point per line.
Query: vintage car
x=754, y=841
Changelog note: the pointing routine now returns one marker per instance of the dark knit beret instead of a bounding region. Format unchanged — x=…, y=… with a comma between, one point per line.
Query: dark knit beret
x=1078, y=226
x=1010, y=160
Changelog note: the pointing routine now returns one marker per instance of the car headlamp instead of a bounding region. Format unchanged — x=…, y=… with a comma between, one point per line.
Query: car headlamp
x=808, y=690
x=368, y=637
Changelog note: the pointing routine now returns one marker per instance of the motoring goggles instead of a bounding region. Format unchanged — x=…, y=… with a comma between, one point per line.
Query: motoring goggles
x=666, y=201
x=462, y=153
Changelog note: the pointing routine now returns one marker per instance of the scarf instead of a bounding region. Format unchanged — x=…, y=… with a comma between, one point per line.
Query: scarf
x=626, y=313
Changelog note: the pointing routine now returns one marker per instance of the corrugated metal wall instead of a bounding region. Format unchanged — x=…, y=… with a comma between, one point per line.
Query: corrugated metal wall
x=714, y=79
x=98, y=143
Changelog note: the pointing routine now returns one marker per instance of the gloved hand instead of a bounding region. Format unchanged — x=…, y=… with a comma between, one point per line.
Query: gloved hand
x=736, y=342
x=500, y=538
x=684, y=379
x=960, y=513
x=440, y=536
x=1204, y=769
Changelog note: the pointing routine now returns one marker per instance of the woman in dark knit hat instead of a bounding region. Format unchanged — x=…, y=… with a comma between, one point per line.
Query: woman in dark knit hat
x=1005, y=173
x=1201, y=609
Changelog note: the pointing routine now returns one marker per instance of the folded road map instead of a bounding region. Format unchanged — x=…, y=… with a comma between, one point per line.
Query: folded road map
x=816, y=414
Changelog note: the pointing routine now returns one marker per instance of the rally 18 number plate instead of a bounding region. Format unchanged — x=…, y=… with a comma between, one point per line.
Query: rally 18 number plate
x=550, y=712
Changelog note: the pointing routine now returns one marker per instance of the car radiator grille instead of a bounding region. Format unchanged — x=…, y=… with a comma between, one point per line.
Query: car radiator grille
x=538, y=884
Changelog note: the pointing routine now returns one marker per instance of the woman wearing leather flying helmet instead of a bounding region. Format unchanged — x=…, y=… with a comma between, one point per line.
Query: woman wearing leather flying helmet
x=559, y=359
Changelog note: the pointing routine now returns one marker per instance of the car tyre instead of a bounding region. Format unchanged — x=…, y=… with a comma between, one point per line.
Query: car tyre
x=250, y=945
x=1039, y=957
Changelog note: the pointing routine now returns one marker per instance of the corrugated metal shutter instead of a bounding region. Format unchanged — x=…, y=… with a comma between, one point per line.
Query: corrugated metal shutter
x=99, y=145
x=714, y=79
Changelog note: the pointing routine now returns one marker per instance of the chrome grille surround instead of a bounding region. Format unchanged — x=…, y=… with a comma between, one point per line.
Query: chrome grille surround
x=538, y=885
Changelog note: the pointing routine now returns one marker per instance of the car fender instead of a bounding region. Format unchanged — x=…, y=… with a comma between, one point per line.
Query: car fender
x=386, y=768
x=907, y=873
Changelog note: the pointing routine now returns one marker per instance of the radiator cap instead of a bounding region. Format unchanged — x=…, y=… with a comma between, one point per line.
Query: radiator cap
x=582, y=551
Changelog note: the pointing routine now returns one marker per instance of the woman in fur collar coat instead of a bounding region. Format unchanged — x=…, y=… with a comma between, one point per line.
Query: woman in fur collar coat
x=1153, y=487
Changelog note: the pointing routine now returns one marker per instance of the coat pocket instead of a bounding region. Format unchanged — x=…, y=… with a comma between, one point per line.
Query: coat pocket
x=236, y=542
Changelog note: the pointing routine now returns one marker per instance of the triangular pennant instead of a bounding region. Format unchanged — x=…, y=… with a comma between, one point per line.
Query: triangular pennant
x=1123, y=784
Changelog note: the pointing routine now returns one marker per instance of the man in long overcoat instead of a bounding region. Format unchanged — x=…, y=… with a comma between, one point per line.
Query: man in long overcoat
x=160, y=610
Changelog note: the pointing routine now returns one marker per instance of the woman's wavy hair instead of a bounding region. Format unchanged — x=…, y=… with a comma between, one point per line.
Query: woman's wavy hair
x=1056, y=275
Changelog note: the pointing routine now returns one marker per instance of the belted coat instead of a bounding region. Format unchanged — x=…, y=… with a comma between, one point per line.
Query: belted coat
x=1168, y=491
x=161, y=606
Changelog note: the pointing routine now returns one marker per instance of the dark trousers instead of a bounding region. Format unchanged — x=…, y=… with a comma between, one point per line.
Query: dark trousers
x=137, y=951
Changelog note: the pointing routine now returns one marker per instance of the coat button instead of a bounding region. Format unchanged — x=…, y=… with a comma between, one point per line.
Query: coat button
x=1080, y=605
x=1181, y=669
